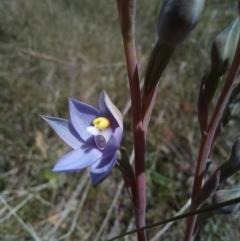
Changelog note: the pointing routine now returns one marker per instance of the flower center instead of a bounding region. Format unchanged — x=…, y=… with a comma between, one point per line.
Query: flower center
x=101, y=123
x=101, y=131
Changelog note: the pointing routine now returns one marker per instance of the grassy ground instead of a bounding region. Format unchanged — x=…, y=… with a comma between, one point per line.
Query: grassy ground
x=51, y=50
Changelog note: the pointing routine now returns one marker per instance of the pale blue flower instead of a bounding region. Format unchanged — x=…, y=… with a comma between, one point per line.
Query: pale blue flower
x=95, y=136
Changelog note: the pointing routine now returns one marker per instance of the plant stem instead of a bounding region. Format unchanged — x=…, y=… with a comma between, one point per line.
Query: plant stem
x=126, y=10
x=208, y=136
x=181, y=216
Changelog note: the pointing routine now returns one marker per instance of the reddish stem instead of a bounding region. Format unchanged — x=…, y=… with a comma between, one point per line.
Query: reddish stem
x=126, y=9
x=207, y=137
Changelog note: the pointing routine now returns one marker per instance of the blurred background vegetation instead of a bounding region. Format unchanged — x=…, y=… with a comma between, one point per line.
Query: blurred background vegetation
x=51, y=50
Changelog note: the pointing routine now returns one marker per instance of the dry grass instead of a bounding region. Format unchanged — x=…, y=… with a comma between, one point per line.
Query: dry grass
x=51, y=50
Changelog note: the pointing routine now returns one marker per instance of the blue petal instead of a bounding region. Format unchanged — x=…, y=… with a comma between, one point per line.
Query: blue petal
x=101, y=169
x=65, y=130
x=114, y=142
x=108, y=109
x=82, y=116
x=77, y=159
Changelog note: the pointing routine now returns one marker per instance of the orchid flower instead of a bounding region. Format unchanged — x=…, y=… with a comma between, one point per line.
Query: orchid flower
x=95, y=136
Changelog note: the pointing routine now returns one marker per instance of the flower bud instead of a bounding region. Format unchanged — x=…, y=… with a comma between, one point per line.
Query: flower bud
x=208, y=189
x=232, y=165
x=224, y=47
x=176, y=20
x=223, y=196
x=222, y=53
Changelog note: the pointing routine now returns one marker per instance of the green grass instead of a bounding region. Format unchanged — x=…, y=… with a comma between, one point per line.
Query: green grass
x=52, y=50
